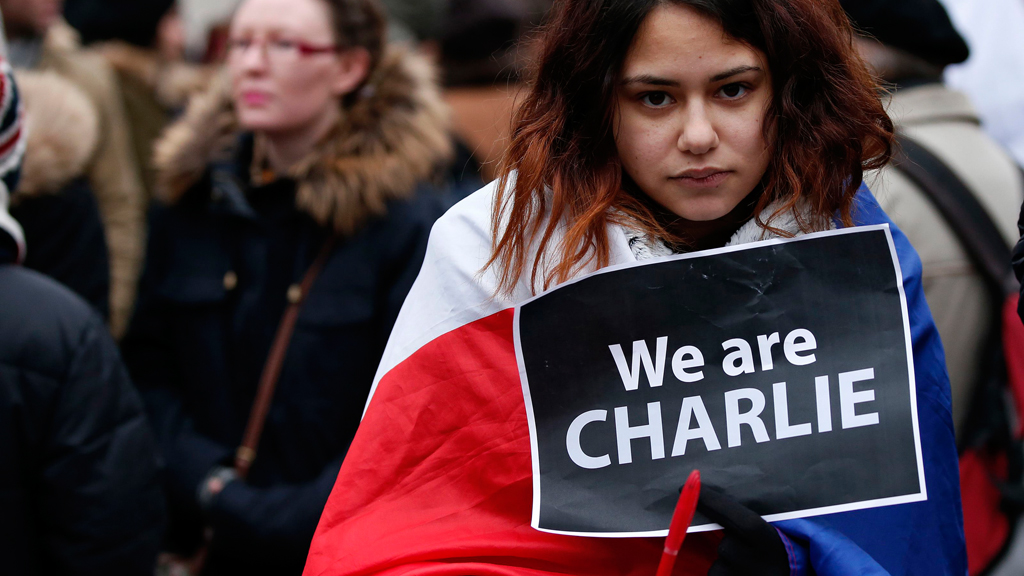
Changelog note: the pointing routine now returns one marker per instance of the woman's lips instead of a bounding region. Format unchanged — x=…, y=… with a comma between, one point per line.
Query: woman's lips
x=702, y=179
x=254, y=98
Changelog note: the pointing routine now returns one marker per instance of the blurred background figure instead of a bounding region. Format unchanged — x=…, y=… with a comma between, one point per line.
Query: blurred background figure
x=483, y=48
x=82, y=166
x=414, y=21
x=206, y=23
x=911, y=42
x=199, y=19
x=144, y=41
x=79, y=487
x=54, y=201
x=944, y=149
x=317, y=145
x=994, y=74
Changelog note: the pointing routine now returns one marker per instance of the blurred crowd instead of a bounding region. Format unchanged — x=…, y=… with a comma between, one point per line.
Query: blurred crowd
x=219, y=207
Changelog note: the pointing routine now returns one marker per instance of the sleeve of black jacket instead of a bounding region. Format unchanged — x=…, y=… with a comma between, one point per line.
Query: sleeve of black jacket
x=98, y=509
x=278, y=521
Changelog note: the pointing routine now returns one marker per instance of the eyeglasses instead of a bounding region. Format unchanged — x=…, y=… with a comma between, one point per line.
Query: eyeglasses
x=278, y=51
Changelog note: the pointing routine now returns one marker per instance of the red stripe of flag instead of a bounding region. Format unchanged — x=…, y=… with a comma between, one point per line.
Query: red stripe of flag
x=438, y=480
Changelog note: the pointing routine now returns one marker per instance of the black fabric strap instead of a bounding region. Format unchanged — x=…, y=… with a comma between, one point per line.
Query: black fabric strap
x=971, y=224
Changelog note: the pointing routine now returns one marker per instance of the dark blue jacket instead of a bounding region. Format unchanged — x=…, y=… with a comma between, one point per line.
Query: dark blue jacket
x=218, y=269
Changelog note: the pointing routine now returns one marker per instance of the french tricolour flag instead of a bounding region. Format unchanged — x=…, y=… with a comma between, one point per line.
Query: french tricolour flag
x=438, y=478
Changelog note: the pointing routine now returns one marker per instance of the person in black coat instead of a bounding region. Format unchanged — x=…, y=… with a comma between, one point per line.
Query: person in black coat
x=79, y=486
x=79, y=489
x=134, y=21
x=245, y=217
x=54, y=200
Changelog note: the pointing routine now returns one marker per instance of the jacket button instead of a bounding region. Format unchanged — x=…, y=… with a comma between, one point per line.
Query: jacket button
x=294, y=294
x=230, y=281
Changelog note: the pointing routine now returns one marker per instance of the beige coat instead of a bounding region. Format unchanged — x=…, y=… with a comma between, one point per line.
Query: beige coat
x=113, y=173
x=945, y=123
x=153, y=90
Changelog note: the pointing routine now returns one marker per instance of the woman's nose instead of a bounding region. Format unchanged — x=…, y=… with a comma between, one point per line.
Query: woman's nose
x=254, y=58
x=698, y=135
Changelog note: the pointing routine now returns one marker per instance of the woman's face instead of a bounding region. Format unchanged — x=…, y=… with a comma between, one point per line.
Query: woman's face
x=691, y=108
x=285, y=73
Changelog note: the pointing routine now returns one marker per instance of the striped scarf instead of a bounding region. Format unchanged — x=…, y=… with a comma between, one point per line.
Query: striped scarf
x=12, y=150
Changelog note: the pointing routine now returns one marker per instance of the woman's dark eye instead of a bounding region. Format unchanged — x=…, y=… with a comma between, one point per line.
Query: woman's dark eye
x=733, y=91
x=656, y=99
x=239, y=44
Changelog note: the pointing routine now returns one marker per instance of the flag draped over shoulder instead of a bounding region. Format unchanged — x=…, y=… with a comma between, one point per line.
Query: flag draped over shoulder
x=438, y=480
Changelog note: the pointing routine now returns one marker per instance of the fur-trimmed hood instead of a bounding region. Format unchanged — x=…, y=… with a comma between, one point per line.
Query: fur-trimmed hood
x=62, y=127
x=385, y=144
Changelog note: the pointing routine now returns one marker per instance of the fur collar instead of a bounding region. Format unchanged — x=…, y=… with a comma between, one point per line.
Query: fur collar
x=786, y=222
x=62, y=127
x=644, y=247
x=386, y=143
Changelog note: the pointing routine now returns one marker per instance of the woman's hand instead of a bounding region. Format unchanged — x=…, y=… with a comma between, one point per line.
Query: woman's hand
x=214, y=484
x=751, y=547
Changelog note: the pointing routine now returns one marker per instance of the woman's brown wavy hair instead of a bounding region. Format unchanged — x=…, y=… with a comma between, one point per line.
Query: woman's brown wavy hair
x=561, y=169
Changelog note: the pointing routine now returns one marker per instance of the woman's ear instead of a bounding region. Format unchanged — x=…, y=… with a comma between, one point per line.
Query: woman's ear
x=352, y=68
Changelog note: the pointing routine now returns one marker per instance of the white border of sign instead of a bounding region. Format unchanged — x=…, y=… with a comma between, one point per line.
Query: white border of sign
x=919, y=497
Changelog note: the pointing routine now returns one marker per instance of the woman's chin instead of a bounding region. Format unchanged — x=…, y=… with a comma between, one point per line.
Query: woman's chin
x=256, y=124
x=260, y=120
x=702, y=211
x=698, y=205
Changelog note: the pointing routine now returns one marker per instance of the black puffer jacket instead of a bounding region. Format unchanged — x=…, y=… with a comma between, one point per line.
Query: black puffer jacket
x=79, y=491
x=222, y=256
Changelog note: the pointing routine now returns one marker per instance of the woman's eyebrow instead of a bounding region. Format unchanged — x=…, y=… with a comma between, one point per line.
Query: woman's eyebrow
x=649, y=80
x=734, y=72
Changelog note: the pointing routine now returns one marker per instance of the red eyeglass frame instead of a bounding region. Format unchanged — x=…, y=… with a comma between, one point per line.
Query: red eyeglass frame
x=304, y=48
x=312, y=49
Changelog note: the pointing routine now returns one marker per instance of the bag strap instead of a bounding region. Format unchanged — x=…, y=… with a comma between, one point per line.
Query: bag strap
x=246, y=453
x=969, y=220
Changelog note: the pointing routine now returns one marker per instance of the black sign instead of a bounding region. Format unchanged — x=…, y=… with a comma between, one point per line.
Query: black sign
x=781, y=370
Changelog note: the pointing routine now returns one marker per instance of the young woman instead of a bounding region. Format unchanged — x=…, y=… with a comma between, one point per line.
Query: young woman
x=316, y=149
x=653, y=127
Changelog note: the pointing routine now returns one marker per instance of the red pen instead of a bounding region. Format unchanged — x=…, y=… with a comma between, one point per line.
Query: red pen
x=681, y=520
